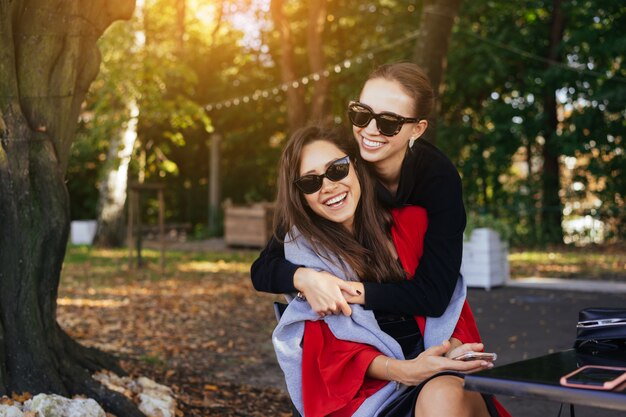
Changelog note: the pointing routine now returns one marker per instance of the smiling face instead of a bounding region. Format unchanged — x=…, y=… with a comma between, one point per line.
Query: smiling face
x=386, y=152
x=335, y=201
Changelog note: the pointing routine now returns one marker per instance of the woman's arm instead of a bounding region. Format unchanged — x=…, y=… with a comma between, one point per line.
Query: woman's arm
x=272, y=273
x=429, y=292
x=428, y=363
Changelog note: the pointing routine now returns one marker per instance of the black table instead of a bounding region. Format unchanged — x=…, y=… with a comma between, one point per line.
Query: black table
x=539, y=378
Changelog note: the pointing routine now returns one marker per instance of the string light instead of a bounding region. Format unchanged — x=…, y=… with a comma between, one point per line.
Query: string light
x=369, y=55
x=315, y=76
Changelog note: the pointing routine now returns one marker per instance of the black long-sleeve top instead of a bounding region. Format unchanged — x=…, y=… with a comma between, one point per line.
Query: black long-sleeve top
x=427, y=179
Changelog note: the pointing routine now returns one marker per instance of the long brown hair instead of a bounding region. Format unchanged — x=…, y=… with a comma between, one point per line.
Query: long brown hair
x=366, y=251
x=414, y=82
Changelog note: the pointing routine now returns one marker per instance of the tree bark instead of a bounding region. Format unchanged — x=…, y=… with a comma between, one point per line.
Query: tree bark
x=295, y=97
x=48, y=59
x=531, y=216
x=552, y=210
x=181, y=8
x=317, y=61
x=431, y=48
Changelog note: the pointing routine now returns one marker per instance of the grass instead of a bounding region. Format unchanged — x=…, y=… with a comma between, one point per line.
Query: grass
x=104, y=266
x=595, y=263
x=77, y=254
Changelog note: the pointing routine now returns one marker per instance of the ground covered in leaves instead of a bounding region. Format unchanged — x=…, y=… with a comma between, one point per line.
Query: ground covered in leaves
x=199, y=327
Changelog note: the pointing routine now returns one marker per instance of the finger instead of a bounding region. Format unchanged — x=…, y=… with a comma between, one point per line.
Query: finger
x=473, y=346
x=471, y=366
x=331, y=309
x=345, y=308
x=320, y=309
x=344, y=286
x=481, y=368
x=470, y=347
x=436, y=350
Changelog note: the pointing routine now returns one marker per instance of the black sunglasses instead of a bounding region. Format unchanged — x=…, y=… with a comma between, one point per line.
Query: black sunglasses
x=312, y=183
x=388, y=123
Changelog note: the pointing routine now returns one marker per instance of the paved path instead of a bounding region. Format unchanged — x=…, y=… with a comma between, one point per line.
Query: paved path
x=520, y=323
x=525, y=319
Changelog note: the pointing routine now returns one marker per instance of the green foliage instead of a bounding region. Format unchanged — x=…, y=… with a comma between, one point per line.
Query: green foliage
x=480, y=220
x=492, y=119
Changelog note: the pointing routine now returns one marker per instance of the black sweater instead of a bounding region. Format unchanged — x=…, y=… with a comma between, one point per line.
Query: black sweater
x=430, y=180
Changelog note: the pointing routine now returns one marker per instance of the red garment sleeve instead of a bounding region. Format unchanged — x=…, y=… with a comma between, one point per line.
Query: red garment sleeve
x=466, y=330
x=409, y=229
x=334, y=381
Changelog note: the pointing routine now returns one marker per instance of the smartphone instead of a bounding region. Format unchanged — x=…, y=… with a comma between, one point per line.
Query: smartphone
x=476, y=356
x=595, y=377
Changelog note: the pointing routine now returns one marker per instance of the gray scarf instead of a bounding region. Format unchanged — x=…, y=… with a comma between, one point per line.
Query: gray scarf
x=360, y=327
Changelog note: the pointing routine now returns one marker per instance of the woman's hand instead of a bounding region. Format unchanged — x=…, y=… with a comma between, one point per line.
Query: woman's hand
x=359, y=298
x=460, y=349
x=324, y=291
x=433, y=361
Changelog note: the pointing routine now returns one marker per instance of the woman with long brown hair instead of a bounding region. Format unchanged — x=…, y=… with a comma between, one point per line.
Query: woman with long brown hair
x=341, y=365
x=389, y=120
x=365, y=246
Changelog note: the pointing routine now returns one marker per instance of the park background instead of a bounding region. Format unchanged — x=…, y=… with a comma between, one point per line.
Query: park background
x=531, y=106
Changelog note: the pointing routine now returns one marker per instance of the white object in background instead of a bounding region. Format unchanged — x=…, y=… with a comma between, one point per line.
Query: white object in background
x=485, y=261
x=83, y=231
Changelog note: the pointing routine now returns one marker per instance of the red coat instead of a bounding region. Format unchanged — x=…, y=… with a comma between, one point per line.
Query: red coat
x=334, y=383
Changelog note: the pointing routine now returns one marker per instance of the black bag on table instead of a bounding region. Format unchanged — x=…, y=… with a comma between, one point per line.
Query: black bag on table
x=601, y=329
x=600, y=339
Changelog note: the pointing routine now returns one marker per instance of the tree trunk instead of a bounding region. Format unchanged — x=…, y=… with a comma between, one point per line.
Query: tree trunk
x=48, y=59
x=112, y=196
x=552, y=210
x=431, y=48
x=295, y=98
x=531, y=216
x=181, y=8
x=317, y=21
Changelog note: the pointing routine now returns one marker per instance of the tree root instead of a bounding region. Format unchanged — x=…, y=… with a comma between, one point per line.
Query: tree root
x=78, y=381
x=77, y=362
x=90, y=358
x=3, y=370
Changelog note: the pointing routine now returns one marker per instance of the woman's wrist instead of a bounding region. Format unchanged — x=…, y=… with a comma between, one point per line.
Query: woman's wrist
x=394, y=370
x=300, y=278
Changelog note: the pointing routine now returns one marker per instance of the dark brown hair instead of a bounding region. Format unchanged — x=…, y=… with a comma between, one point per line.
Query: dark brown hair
x=366, y=251
x=414, y=82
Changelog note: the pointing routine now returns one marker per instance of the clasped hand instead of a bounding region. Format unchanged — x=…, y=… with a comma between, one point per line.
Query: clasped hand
x=434, y=360
x=326, y=293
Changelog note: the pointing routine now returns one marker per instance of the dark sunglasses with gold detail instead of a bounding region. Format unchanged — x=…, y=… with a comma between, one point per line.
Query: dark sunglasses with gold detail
x=389, y=124
x=312, y=183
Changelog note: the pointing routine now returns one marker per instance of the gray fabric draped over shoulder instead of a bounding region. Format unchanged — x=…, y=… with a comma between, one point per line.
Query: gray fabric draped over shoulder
x=360, y=327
